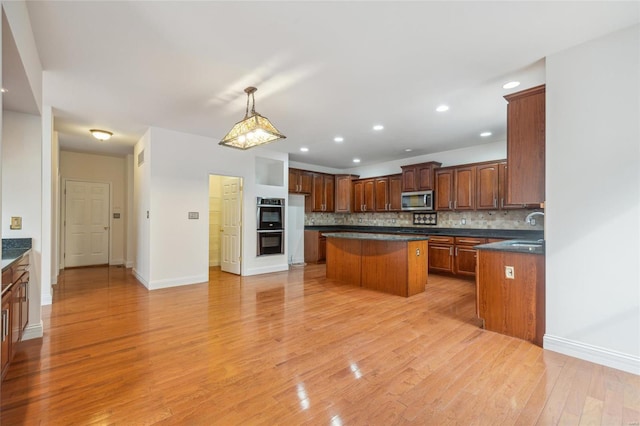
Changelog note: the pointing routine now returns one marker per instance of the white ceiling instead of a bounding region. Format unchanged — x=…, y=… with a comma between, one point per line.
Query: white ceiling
x=322, y=69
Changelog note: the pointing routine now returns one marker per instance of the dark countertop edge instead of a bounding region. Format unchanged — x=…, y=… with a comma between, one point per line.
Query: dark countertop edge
x=11, y=256
x=503, y=246
x=471, y=232
x=374, y=236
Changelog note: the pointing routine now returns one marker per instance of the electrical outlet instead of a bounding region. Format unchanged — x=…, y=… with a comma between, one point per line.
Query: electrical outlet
x=532, y=222
x=509, y=272
x=463, y=221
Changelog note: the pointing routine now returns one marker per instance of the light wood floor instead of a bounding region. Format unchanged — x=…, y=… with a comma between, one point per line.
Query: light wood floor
x=292, y=348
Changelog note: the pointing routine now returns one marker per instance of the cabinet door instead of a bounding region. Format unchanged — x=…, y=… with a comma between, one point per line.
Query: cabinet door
x=305, y=182
x=369, y=195
x=409, y=181
x=395, y=193
x=526, y=146
x=381, y=197
x=322, y=249
x=424, y=176
x=444, y=189
x=6, y=330
x=487, y=188
x=358, y=196
x=293, y=180
x=504, y=189
x=440, y=258
x=465, y=188
x=465, y=260
x=344, y=196
x=329, y=193
x=317, y=193
x=24, y=304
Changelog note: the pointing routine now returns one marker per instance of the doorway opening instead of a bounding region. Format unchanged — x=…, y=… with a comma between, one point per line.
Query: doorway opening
x=225, y=223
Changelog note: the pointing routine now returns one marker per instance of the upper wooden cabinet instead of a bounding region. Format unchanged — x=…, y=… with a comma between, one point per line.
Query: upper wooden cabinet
x=487, y=186
x=344, y=193
x=395, y=193
x=364, y=195
x=300, y=181
x=388, y=193
x=455, y=188
x=526, y=146
x=322, y=192
x=418, y=177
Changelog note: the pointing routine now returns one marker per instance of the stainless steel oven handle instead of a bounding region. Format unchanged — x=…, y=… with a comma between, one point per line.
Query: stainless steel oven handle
x=270, y=231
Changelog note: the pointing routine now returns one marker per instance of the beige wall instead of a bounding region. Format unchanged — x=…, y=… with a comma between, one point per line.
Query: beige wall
x=101, y=168
x=215, y=215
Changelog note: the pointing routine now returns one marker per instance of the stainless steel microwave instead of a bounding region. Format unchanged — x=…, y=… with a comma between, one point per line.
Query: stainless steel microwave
x=418, y=201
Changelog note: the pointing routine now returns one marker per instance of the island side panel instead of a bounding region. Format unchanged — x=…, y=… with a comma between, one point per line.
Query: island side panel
x=343, y=260
x=384, y=266
x=417, y=266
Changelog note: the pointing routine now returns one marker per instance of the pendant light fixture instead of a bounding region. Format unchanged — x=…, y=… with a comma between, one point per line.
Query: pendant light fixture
x=253, y=130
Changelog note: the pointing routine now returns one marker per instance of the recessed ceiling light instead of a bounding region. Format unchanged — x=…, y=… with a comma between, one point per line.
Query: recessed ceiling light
x=442, y=108
x=378, y=127
x=408, y=150
x=511, y=85
x=101, y=135
x=338, y=139
x=304, y=149
x=3, y=90
x=356, y=160
x=485, y=134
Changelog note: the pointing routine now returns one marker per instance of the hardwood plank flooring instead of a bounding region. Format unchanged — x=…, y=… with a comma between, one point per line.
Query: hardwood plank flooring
x=292, y=348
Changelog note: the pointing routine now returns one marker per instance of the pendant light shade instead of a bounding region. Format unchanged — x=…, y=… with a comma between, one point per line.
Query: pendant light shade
x=253, y=130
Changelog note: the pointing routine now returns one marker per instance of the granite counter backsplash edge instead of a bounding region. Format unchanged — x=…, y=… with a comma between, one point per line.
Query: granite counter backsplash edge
x=16, y=243
x=485, y=233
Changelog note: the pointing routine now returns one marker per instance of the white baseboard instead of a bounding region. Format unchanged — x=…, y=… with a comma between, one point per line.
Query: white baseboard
x=602, y=356
x=266, y=269
x=33, y=331
x=139, y=278
x=115, y=262
x=177, y=282
x=129, y=264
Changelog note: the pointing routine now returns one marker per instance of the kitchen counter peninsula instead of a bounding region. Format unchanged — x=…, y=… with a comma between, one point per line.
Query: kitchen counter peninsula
x=391, y=263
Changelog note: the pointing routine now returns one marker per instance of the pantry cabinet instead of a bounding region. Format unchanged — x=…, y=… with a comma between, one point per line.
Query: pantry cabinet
x=526, y=146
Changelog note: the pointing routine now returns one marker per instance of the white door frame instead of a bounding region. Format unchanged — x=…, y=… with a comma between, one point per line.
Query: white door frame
x=63, y=212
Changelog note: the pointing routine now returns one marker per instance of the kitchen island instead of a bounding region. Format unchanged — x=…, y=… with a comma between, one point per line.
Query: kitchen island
x=395, y=264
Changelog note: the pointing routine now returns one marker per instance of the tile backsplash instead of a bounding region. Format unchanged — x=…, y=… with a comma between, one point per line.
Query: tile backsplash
x=486, y=219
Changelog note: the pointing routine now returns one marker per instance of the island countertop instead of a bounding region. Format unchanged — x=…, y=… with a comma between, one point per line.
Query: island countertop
x=379, y=237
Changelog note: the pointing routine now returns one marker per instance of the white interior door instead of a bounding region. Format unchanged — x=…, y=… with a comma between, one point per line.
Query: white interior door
x=231, y=224
x=86, y=223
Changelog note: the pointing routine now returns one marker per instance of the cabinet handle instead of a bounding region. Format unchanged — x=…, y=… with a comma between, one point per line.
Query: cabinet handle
x=449, y=204
x=450, y=251
x=501, y=203
x=455, y=204
x=456, y=250
x=5, y=324
x=495, y=202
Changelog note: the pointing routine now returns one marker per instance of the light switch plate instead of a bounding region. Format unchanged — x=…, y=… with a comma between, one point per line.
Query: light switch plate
x=16, y=222
x=194, y=215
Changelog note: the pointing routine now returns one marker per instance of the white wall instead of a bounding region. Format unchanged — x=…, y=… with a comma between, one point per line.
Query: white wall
x=593, y=201
x=141, y=205
x=130, y=248
x=105, y=169
x=21, y=192
x=178, y=184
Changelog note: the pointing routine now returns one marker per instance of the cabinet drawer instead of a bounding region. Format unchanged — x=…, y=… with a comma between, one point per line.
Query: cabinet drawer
x=495, y=240
x=440, y=239
x=469, y=241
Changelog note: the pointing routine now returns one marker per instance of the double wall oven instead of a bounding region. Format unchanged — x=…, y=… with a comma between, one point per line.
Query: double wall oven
x=270, y=223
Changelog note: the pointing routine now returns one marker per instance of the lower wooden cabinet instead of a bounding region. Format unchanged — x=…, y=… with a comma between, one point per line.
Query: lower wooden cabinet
x=453, y=255
x=514, y=306
x=315, y=247
x=7, y=301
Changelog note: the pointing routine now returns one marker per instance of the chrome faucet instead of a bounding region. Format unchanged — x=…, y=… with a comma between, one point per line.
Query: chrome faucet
x=530, y=220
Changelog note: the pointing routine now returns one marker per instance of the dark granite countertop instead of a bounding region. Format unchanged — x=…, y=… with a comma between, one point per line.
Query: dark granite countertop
x=13, y=249
x=371, y=236
x=515, y=246
x=512, y=234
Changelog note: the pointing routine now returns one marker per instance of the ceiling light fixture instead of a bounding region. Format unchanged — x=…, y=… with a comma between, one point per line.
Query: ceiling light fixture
x=442, y=108
x=408, y=150
x=378, y=127
x=253, y=130
x=101, y=135
x=304, y=149
x=511, y=85
x=356, y=160
x=338, y=139
x=3, y=90
x=485, y=134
